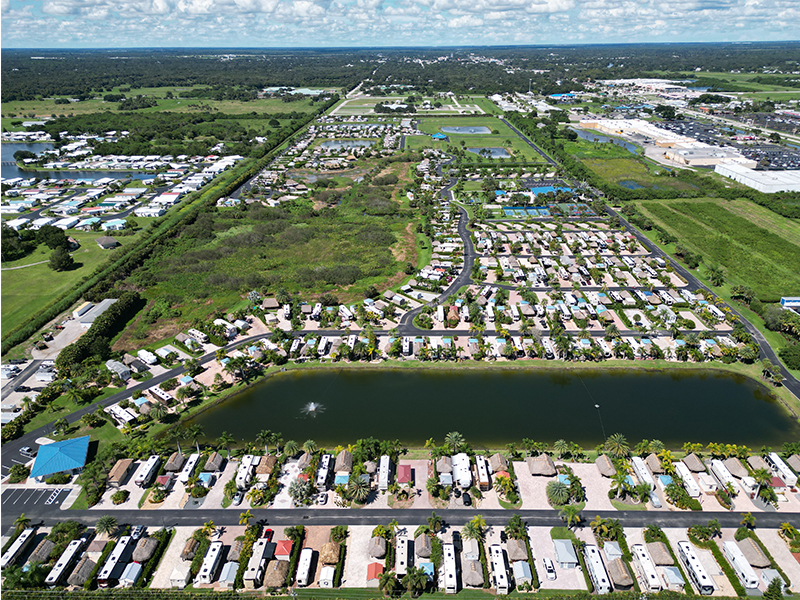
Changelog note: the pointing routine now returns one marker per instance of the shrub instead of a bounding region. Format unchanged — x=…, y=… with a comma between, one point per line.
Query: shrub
x=18, y=473
x=120, y=496
x=58, y=479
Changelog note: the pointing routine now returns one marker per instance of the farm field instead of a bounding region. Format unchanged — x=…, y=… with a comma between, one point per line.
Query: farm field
x=24, y=291
x=741, y=80
x=755, y=247
x=365, y=106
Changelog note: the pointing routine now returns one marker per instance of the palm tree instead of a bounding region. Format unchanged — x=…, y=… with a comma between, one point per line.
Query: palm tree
x=715, y=275
x=192, y=433
x=388, y=583
x=208, y=528
x=656, y=446
x=245, y=517
x=748, y=520
x=434, y=523
x=263, y=438
x=619, y=484
x=415, y=581
x=158, y=412
x=571, y=515
x=474, y=529
x=617, y=444
x=561, y=447
x=22, y=522
x=515, y=528
x=454, y=441
x=358, y=489
x=310, y=446
x=557, y=493
x=60, y=426
x=106, y=524
x=291, y=448
x=225, y=439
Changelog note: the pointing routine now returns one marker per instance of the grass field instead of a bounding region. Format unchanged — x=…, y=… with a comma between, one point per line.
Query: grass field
x=25, y=109
x=27, y=290
x=764, y=259
x=742, y=80
x=504, y=138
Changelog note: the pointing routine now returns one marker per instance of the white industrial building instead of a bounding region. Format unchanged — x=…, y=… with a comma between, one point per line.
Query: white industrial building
x=763, y=181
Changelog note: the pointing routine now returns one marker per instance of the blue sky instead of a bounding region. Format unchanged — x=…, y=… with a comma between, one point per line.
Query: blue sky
x=307, y=23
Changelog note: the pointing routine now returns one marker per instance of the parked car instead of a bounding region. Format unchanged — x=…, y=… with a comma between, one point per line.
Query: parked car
x=323, y=498
x=268, y=533
x=549, y=568
x=27, y=451
x=237, y=498
x=467, y=499
x=137, y=532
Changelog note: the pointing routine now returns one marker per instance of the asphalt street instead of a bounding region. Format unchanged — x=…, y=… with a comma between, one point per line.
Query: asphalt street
x=47, y=516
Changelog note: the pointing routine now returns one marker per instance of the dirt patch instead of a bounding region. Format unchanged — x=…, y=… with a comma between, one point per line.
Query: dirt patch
x=164, y=330
x=406, y=245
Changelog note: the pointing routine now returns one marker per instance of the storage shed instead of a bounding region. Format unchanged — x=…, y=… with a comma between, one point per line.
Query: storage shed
x=119, y=472
x=693, y=462
x=541, y=465
x=377, y=547
x=605, y=466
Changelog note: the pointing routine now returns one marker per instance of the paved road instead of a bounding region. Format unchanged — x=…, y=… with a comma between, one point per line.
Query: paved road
x=45, y=515
x=23, y=375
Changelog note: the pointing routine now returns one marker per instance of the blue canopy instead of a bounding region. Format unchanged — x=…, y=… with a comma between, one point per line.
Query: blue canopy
x=61, y=456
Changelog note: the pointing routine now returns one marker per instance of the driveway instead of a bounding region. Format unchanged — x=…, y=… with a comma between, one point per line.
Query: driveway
x=542, y=547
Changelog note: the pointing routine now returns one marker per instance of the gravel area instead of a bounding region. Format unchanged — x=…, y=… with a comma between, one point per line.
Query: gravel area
x=355, y=566
x=596, y=486
x=217, y=491
x=315, y=538
x=135, y=491
x=780, y=552
x=171, y=558
x=721, y=583
x=289, y=474
x=531, y=489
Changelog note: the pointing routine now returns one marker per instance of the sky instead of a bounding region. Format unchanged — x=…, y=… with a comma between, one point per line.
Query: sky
x=355, y=23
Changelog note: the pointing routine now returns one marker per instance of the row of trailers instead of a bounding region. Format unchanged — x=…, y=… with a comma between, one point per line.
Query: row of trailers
x=63, y=565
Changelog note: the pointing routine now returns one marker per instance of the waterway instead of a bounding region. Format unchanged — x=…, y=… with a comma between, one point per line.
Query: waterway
x=594, y=137
x=12, y=171
x=492, y=407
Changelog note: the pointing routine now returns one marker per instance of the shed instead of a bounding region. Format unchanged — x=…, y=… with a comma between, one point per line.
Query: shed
x=130, y=575
x=42, y=552
x=753, y=553
x=473, y=573
x=444, y=465
x=270, y=304
x=735, y=466
x=619, y=574
x=80, y=575
x=236, y=550
x=522, y=572
x=144, y=550
x=660, y=554
x=266, y=465
x=344, y=462
x=654, y=464
x=106, y=242
x=180, y=576
x=517, y=550
x=404, y=474
x=119, y=472
x=370, y=467
x=470, y=549
x=498, y=462
x=673, y=579
x=329, y=553
x=326, y=576
x=276, y=573
x=374, y=571
x=189, y=549
x=694, y=464
x=214, y=463
x=422, y=546
x=756, y=463
x=605, y=466
x=227, y=577
x=377, y=547
x=304, y=461
x=175, y=462
x=283, y=549
x=565, y=554
x=541, y=465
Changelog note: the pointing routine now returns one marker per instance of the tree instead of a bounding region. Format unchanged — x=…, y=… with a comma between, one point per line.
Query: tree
x=388, y=583
x=415, y=581
x=617, y=445
x=60, y=426
x=193, y=432
x=224, y=440
x=310, y=446
x=245, y=517
x=515, y=528
x=434, y=523
x=158, y=412
x=291, y=448
x=561, y=447
x=454, y=440
x=21, y=522
x=358, y=489
x=774, y=589
x=60, y=259
x=557, y=493
x=715, y=275
x=571, y=515
x=474, y=529
x=263, y=438
x=208, y=529
x=619, y=484
x=748, y=520
x=107, y=525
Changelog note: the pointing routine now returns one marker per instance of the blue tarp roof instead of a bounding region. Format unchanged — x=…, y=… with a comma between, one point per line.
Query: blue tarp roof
x=341, y=480
x=428, y=568
x=61, y=456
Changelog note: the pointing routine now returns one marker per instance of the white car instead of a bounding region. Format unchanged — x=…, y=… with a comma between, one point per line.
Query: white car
x=549, y=569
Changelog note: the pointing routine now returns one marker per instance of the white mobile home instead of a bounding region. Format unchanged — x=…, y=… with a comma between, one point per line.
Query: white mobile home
x=499, y=569
x=401, y=559
x=304, y=567
x=147, y=471
x=722, y=474
x=188, y=468
x=781, y=469
x=323, y=472
x=642, y=472
x=740, y=565
x=597, y=571
x=646, y=567
x=450, y=578
x=208, y=570
x=16, y=549
x=694, y=569
x=688, y=480
x=483, y=472
x=112, y=565
x=64, y=562
x=254, y=574
x=384, y=473
x=462, y=473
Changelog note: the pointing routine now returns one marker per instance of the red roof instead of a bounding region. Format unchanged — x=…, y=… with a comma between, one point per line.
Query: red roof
x=304, y=476
x=777, y=482
x=503, y=473
x=403, y=473
x=283, y=548
x=374, y=571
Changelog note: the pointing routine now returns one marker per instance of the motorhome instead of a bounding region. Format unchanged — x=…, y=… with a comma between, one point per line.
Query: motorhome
x=147, y=471
x=597, y=571
x=304, y=567
x=64, y=562
x=740, y=565
x=646, y=567
x=499, y=569
x=694, y=569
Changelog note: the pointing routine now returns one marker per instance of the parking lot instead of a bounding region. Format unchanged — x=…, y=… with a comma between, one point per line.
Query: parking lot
x=18, y=499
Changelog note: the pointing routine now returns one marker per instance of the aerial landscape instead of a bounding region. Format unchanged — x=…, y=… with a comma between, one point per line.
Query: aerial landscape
x=372, y=299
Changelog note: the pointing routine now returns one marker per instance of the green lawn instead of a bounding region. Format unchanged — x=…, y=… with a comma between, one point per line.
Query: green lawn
x=27, y=290
x=504, y=138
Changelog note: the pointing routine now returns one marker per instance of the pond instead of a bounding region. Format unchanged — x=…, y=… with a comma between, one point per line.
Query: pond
x=345, y=144
x=492, y=407
x=594, y=137
x=467, y=130
x=630, y=184
x=11, y=171
x=493, y=152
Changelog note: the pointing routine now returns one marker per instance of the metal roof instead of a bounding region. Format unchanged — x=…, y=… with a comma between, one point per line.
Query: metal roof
x=61, y=456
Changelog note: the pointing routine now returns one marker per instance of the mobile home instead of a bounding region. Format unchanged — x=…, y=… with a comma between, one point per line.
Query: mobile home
x=740, y=565
x=694, y=569
x=208, y=570
x=449, y=569
x=781, y=470
x=304, y=567
x=147, y=471
x=646, y=567
x=499, y=570
x=384, y=473
x=254, y=574
x=483, y=473
x=597, y=571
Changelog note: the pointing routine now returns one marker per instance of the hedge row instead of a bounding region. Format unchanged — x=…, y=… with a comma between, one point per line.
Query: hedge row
x=532, y=563
x=92, y=581
x=164, y=537
x=295, y=556
x=337, y=576
x=251, y=534
x=484, y=565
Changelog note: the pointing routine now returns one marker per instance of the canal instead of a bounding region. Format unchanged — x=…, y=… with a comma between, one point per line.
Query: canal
x=492, y=407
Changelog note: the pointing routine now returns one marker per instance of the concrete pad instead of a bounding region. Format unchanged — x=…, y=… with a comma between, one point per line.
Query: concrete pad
x=542, y=547
x=355, y=567
x=171, y=558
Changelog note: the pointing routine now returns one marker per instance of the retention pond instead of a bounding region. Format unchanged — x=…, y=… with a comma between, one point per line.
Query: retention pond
x=492, y=407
